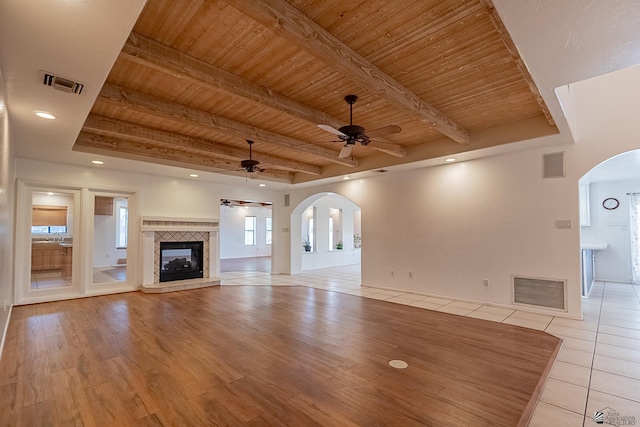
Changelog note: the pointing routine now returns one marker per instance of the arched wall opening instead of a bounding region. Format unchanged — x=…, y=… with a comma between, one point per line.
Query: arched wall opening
x=331, y=225
x=605, y=220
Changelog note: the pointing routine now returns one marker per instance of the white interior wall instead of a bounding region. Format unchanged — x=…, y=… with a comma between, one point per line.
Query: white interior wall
x=443, y=230
x=6, y=216
x=232, y=232
x=105, y=253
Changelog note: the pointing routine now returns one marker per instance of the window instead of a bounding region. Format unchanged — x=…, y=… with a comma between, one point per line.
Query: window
x=250, y=231
x=268, y=233
x=48, y=229
x=122, y=224
x=330, y=233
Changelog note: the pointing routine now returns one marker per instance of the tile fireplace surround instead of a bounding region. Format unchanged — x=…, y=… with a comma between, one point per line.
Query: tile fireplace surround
x=161, y=229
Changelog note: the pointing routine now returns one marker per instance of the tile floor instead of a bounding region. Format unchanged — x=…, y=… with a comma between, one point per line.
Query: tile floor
x=53, y=278
x=598, y=367
x=48, y=280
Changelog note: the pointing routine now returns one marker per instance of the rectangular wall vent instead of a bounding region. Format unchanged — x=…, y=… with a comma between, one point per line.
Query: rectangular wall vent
x=62, y=84
x=286, y=200
x=553, y=165
x=537, y=292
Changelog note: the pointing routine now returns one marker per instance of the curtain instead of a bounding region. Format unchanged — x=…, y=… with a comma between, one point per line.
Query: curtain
x=634, y=225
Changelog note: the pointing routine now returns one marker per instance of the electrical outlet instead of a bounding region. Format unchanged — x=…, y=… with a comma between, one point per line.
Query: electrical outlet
x=6, y=305
x=411, y=274
x=486, y=282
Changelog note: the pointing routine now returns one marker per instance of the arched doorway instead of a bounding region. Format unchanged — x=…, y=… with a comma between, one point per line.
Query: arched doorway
x=605, y=220
x=325, y=232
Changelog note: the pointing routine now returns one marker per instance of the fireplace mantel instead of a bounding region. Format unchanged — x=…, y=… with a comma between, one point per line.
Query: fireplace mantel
x=160, y=223
x=152, y=228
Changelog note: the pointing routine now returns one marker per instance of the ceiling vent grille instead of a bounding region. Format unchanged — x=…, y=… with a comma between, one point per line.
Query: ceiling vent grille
x=537, y=292
x=62, y=84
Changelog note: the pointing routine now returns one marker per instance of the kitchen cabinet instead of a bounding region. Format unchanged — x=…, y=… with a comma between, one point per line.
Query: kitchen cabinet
x=66, y=252
x=103, y=206
x=46, y=256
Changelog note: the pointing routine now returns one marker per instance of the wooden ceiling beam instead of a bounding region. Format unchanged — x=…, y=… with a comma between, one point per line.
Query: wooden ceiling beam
x=288, y=22
x=151, y=54
x=513, y=50
x=157, y=107
x=120, y=129
x=128, y=149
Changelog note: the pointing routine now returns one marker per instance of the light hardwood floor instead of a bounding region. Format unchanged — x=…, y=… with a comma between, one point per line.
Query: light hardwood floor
x=598, y=367
x=264, y=355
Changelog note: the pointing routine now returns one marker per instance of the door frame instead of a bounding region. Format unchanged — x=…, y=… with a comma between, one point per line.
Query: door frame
x=82, y=270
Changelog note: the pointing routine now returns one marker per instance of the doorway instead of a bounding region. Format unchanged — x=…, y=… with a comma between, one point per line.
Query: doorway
x=61, y=240
x=52, y=230
x=326, y=231
x=605, y=219
x=246, y=236
x=110, y=238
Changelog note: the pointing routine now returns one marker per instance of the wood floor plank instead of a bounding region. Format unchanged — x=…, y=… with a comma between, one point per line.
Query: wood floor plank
x=11, y=362
x=258, y=355
x=107, y=406
x=36, y=379
x=41, y=414
x=71, y=400
x=10, y=407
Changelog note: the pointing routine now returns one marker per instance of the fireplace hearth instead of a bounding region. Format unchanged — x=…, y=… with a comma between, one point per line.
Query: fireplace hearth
x=181, y=261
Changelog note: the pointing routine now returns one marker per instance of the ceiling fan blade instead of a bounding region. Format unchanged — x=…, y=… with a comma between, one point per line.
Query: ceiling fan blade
x=331, y=129
x=346, y=151
x=386, y=130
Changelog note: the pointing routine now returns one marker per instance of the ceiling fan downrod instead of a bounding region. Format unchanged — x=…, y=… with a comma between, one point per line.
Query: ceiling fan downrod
x=353, y=132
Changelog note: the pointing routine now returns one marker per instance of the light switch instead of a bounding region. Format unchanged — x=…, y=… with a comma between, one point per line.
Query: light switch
x=563, y=223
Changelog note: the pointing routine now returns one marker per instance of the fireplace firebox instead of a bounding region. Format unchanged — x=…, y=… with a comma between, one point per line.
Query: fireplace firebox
x=181, y=260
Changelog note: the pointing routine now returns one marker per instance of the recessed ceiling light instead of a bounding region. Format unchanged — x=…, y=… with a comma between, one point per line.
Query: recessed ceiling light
x=450, y=159
x=346, y=177
x=44, y=114
x=262, y=185
x=97, y=162
x=193, y=175
x=49, y=193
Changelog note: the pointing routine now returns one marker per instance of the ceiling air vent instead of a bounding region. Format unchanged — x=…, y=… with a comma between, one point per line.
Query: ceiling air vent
x=62, y=84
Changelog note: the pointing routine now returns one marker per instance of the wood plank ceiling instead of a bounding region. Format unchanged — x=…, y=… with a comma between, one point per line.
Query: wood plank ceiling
x=197, y=78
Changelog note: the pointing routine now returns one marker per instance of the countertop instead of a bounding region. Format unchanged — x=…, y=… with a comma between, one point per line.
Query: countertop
x=595, y=246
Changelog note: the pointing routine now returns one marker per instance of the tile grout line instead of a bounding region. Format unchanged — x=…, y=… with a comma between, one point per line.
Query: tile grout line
x=593, y=356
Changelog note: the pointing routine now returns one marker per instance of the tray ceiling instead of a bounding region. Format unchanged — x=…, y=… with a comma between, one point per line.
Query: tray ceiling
x=196, y=79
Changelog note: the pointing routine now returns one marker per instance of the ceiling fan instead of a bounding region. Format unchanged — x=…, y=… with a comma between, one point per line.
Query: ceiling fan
x=250, y=165
x=226, y=203
x=351, y=134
